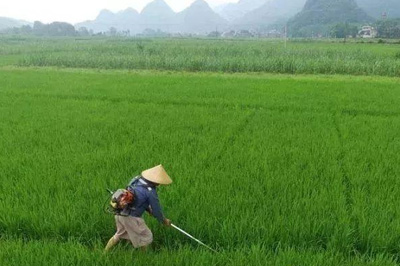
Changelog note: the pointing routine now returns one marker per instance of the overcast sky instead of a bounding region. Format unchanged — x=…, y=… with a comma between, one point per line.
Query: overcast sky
x=74, y=11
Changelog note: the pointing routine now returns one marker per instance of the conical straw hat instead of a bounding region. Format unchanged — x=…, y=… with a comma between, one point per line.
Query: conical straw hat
x=157, y=175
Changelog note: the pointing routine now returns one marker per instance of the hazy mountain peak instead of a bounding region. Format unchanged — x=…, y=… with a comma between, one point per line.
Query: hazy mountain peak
x=252, y=2
x=157, y=5
x=199, y=8
x=234, y=11
x=128, y=16
x=129, y=10
x=271, y=12
x=157, y=15
x=105, y=14
x=6, y=22
x=318, y=15
x=200, y=18
x=333, y=10
x=200, y=3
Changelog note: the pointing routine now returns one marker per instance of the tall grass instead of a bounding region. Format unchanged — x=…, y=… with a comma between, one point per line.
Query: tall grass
x=208, y=55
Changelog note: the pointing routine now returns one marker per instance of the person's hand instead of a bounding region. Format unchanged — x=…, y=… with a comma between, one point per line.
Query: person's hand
x=167, y=222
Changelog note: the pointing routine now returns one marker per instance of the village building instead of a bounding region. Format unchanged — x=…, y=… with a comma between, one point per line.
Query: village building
x=367, y=32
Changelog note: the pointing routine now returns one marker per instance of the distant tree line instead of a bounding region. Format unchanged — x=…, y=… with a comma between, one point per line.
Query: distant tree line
x=344, y=30
x=59, y=29
x=388, y=29
x=55, y=29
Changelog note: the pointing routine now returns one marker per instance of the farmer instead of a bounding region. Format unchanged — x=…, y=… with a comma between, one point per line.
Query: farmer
x=143, y=191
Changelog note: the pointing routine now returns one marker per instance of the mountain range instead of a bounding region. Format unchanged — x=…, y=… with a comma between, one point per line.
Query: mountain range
x=271, y=12
x=279, y=11
x=157, y=15
x=200, y=18
x=245, y=14
x=6, y=23
x=318, y=15
x=233, y=11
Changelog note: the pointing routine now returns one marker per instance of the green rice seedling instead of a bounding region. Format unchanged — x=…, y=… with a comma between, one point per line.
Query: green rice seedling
x=278, y=169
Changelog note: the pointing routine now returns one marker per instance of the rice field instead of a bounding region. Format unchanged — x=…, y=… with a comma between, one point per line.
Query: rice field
x=268, y=169
x=218, y=55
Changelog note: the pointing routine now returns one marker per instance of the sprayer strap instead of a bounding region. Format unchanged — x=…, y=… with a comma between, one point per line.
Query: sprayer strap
x=142, y=181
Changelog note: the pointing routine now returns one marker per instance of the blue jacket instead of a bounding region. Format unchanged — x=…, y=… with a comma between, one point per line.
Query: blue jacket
x=145, y=196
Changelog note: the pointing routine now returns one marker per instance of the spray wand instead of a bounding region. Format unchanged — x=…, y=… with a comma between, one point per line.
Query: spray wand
x=195, y=239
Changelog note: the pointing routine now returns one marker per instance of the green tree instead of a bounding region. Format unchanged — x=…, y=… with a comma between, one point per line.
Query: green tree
x=343, y=30
x=388, y=28
x=83, y=31
x=53, y=29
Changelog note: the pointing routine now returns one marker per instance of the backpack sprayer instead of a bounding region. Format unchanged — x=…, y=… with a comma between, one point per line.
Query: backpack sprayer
x=114, y=207
x=117, y=198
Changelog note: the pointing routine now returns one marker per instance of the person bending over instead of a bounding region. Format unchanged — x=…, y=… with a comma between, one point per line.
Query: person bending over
x=140, y=196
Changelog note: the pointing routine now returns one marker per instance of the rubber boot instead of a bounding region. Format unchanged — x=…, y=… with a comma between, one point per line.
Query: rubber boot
x=112, y=242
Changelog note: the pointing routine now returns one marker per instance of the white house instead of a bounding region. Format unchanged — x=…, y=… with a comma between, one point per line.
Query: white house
x=367, y=32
